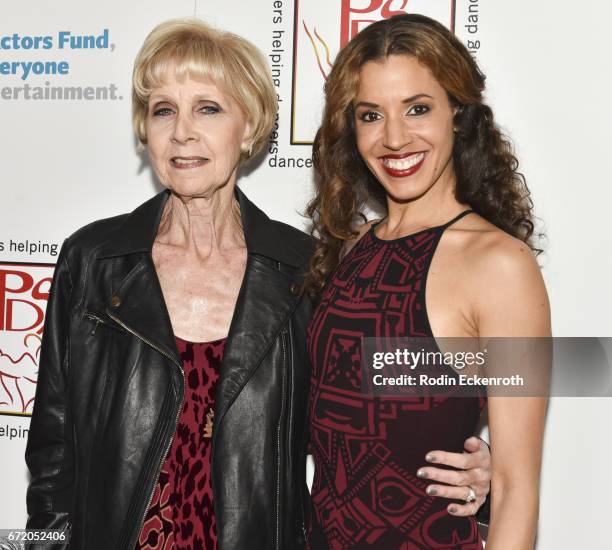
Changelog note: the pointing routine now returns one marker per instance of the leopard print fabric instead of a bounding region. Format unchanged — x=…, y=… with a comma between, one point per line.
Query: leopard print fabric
x=181, y=514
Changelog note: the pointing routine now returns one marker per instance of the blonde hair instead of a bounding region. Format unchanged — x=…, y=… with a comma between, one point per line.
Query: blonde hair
x=195, y=49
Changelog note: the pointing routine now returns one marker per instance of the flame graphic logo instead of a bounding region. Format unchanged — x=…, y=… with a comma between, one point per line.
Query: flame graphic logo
x=324, y=70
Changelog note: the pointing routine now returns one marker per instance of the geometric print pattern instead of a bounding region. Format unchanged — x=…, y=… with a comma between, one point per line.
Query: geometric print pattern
x=367, y=449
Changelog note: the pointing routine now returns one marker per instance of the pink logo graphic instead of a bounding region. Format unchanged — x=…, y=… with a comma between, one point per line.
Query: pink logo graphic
x=24, y=291
x=320, y=33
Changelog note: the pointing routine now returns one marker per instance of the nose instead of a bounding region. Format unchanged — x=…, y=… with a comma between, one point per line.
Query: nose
x=396, y=133
x=184, y=130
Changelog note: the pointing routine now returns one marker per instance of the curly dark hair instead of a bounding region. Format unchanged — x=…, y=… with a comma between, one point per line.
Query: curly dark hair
x=485, y=166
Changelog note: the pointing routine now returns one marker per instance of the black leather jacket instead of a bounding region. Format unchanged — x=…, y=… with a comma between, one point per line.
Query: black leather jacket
x=110, y=389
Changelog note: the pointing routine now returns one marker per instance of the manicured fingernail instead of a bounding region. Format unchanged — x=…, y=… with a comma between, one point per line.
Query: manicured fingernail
x=452, y=509
x=430, y=458
x=421, y=473
x=432, y=491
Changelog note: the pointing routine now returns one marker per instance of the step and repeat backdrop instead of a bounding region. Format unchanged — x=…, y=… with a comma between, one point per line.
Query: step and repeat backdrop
x=69, y=157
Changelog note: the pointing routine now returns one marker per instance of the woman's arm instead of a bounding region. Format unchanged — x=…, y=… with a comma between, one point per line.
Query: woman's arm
x=49, y=447
x=512, y=302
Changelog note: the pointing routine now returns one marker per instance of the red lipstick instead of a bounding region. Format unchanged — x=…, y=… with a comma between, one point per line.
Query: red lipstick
x=393, y=166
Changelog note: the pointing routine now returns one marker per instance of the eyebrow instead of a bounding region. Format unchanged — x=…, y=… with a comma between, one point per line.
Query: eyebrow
x=406, y=100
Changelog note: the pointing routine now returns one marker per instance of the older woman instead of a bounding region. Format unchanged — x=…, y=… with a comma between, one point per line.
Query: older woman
x=131, y=401
x=171, y=401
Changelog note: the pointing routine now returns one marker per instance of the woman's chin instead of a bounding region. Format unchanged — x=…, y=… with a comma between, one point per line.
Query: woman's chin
x=404, y=192
x=193, y=187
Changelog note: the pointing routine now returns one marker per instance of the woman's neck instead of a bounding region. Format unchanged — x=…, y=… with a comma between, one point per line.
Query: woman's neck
x=202, y=225
x=435, y=207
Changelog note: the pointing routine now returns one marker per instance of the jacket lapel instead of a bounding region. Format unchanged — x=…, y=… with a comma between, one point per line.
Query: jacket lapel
x=138, y=306
x=137, y=302
x=265, y=301
x=264, y=304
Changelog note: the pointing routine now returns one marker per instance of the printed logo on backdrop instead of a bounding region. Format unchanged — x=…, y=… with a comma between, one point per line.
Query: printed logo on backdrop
x=45, y=67
x=320, y=33
x=24, y=291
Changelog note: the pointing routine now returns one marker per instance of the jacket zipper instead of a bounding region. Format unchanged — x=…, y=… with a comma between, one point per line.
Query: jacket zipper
x=303, y=522
x=68, y=531
x=98, y=321
x=278, y=438
x=178, y=412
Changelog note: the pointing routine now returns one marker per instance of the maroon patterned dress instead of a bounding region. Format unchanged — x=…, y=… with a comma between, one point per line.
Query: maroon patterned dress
x=367, y=449
x=181, y=513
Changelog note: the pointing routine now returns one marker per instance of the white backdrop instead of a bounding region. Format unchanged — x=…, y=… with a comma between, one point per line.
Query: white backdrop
x=68, y=162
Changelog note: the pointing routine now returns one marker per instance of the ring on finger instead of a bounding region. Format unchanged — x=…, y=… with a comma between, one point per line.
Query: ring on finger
x=471, y=496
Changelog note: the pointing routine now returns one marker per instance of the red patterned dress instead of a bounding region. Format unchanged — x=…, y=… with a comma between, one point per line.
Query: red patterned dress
x=181, y=514
x=367, y=449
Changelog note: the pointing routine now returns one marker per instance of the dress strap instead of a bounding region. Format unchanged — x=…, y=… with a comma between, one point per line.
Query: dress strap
x=456, y=218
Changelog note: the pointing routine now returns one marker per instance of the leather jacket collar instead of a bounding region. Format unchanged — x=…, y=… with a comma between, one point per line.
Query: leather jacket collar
x=137, y=302
x=139, y=230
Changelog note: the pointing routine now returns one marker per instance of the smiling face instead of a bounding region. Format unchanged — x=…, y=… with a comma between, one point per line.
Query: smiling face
x=404, y=127
x=195, y=133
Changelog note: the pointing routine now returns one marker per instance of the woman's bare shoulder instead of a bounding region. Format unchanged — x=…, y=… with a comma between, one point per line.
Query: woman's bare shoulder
x=487, y=247
x=505, y=280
